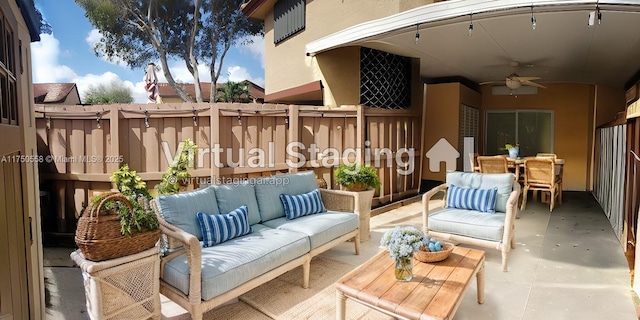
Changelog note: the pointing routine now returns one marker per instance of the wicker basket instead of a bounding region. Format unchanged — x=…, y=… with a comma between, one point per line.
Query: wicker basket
x=99, y=235
x=427, y=256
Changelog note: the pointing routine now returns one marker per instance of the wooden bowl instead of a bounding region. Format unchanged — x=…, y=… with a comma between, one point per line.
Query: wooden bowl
x=427, y=256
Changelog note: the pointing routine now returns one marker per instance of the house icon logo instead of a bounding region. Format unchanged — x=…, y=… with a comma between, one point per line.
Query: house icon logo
x=442, y=151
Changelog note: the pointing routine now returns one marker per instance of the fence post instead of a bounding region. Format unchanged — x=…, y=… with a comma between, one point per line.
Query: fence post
x=294, y=131
x=360, y=133
x=114, y=125
x=214, y=141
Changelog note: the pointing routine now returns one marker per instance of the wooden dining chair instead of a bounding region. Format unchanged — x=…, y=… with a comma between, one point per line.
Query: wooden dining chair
x=473, y=161
x=493, y=164
x=540, y=175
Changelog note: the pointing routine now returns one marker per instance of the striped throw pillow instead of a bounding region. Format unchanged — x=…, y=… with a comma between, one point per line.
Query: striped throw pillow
x=483, y=200
x=218, y=228
x=296, y=206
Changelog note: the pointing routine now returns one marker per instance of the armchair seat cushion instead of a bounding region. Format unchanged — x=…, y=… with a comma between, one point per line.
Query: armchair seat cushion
x=229, y=264
x=469, y=223
x=321, y=227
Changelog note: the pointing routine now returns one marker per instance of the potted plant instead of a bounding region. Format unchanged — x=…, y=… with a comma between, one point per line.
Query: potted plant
x=357, y=177
x=362, y=180
x=175, y=178
x=118, y=224
x=513, y=149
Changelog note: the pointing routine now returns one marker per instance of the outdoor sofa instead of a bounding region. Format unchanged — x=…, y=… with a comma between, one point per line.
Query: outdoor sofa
x=479, y=209
x=201, y=278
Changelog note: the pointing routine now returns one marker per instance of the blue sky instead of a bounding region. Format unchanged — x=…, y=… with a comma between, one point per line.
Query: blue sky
x=67, y=56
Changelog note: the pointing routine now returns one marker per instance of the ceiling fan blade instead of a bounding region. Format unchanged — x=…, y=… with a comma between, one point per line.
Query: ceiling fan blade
x=523, y=79
x=533, y=84
x=491, y=82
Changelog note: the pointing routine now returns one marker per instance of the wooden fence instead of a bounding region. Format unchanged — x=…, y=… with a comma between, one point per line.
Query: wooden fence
x=82, y=145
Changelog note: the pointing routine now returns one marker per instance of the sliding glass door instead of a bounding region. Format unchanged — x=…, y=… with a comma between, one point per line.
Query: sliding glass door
x=532, y=130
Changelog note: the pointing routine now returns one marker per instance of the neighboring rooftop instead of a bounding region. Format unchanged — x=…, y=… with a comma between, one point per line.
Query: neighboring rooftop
x=165, y=91
x=61, y=93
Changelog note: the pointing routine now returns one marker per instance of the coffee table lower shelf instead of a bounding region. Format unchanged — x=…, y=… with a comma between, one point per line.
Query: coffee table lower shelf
x=434, y=293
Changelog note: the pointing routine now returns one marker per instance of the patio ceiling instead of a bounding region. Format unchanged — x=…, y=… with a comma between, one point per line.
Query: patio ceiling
x=562, y=48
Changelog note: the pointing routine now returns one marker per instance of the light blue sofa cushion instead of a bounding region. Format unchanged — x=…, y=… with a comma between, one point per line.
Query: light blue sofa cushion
x=468, y=223
x=234, y=262
x=234, y=195
x=502, y=181
x=180, y=209
x=320, y=227
x=269, y=189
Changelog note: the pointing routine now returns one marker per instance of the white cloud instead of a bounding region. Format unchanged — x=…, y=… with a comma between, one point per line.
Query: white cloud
x=44, y=56
x=255, y=48
x=238, y=73
x=93, y=37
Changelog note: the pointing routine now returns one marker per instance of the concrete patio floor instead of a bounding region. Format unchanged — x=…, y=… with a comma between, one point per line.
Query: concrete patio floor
x=568, y=264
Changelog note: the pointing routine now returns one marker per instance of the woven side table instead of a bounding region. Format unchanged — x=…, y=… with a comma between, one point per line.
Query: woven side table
x=122, y=288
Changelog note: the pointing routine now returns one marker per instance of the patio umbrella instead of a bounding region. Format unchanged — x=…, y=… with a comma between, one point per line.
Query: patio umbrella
x=151, y=83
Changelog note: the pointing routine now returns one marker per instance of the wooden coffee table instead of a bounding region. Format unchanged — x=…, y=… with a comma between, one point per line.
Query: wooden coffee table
x=434, y=293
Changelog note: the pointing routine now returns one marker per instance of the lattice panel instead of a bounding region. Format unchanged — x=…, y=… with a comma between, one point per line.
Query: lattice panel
x=385, y=80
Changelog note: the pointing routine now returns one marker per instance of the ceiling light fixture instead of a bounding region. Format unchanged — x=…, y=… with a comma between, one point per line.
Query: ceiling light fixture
x=417, y=33
x=471, y=25
x=533, y=19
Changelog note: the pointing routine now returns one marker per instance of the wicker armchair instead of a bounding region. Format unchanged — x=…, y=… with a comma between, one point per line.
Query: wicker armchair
x=540, y=175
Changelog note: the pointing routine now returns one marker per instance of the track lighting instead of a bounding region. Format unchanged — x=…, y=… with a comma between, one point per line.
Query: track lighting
x=599, y=14
x=146, y=118
x=533, y=19
x=471, y=25
x=417, y=33
x=239, y=117
x=98, y=119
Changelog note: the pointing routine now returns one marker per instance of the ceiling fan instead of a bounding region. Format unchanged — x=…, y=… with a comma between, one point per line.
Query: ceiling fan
x=514, y=81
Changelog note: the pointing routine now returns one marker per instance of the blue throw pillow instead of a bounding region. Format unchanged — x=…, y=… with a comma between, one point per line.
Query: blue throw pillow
x=483, y=200
x=296, y=206
x=218, y=228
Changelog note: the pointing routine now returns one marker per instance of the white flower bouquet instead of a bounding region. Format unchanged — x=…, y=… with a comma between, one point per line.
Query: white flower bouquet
x=402, y=242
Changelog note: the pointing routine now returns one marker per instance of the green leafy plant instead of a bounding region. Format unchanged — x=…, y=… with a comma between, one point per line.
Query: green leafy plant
x=357, y=176
x=131, y=185
x=178, y=172
x=509, y=146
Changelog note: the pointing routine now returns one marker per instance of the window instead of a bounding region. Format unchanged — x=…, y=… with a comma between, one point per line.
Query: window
x=533, y=130
x=288, y=19
x=8, y=90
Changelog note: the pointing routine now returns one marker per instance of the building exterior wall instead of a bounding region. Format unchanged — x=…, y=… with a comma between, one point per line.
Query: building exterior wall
x=572, y=106
x=27, y=285
x=322, y=18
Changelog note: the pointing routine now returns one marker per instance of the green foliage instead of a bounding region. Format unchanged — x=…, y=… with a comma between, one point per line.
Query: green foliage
x=178, y=172
x=114, y=92
x=509, y=146
x=131, y=185
x=195, y=32
x=354, y=173
x=233, y=91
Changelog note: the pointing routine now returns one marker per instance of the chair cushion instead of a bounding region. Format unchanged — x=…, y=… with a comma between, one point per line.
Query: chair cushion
x=502, y=181
x=218, y=228
x=269, y=189
x=321, y=227
x=180, y=209
x=483, y=200
x=234, y=262
x=234, y=195
x=468, y=223
x=296, y=206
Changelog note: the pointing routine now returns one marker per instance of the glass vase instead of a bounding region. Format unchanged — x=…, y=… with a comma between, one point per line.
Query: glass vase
x=404, y=268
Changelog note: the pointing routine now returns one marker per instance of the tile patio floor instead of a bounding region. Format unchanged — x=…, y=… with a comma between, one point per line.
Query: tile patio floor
x=568, y=264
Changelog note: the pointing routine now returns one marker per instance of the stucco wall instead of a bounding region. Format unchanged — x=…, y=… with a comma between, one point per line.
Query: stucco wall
x=322, y=18
x=572, y=106
x=441, y=121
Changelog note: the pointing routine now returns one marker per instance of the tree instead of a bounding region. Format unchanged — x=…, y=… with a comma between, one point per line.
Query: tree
x=233, y=91
x=196, y=31
x=114, y=92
